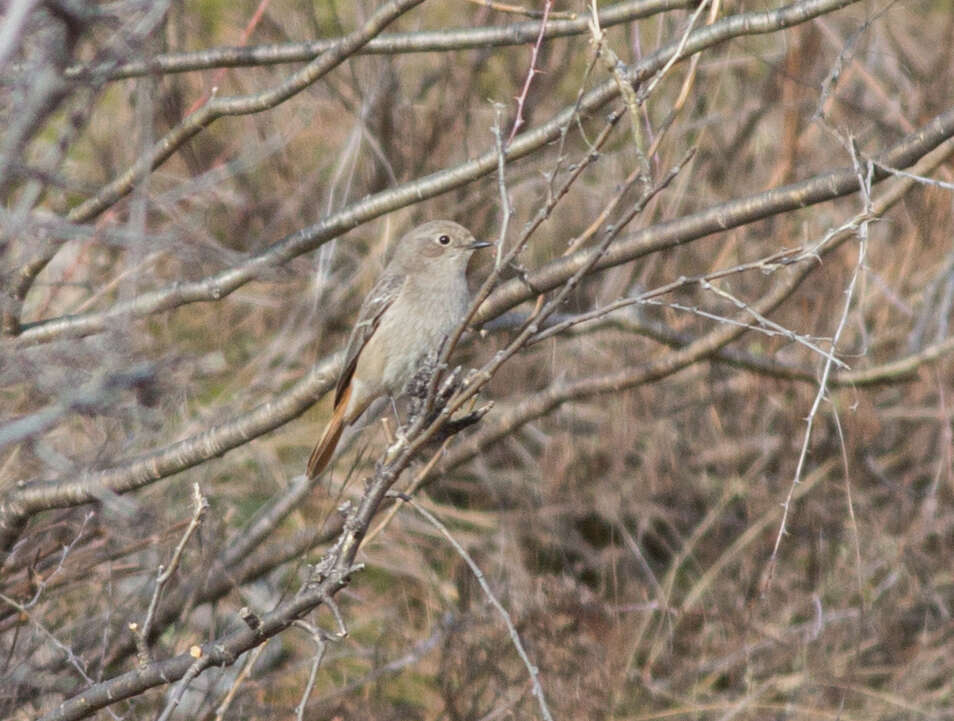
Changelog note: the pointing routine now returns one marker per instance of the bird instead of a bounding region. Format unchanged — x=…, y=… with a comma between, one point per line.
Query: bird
x=418, y=300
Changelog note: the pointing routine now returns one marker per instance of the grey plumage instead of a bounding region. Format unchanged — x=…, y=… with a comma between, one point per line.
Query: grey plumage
x=419, y=299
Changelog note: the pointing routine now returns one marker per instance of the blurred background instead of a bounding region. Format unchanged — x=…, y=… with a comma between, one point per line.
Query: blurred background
x=727, y=498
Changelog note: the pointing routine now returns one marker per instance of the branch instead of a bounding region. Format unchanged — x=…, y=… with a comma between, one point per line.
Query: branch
x=16, y=508
x=861, y=232
x=706, y=346
x=164, y=573
x=900, y=370
x=531, y=667
x=390, y=44
x=222, y=284
x=239, y=105
x=99, y=393
x=223, y=651
x=21, y=502
x=534, y=70
x=823, y=187
x=281, y=551
x=331, y=574
x=200, y=119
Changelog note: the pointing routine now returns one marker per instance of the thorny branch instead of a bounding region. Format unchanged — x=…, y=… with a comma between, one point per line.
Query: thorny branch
x=204, y=116
x=490, y=302
x=307, y=239
x=254, y=551
x=534, y=70
x=867, y=215
x=531, y=667
x=708, y=345
x=336, y=567
x=511, y=419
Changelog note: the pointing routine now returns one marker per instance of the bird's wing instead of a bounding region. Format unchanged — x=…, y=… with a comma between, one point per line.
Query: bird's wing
x=380, y=298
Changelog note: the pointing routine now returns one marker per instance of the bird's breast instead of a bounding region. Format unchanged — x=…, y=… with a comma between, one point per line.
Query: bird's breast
x=413, y=328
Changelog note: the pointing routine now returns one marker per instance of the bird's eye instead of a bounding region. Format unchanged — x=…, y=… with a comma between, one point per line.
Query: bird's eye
x=444, y=239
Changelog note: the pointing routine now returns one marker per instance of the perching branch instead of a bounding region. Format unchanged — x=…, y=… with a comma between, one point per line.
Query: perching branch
x=20, y=503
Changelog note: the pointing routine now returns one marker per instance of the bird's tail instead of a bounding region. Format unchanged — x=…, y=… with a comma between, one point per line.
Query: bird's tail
x=325, y=447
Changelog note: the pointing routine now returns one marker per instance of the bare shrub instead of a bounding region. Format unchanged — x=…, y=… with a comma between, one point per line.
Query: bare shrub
x=715, y=478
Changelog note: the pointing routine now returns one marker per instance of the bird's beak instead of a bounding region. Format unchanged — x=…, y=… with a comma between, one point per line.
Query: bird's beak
x=478, y=244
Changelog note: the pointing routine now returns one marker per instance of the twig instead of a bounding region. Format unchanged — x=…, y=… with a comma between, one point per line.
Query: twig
x=527, y=12
x=164, y=573
x=919, y=178
x=478, y=574
x=21, y=502
x=506, y=211
x=41, y=584
x=318, y=638
x=218, y=286
x=768, y=326
x=412, y=487
x=616, y=68
x=767, y=264
x=443, y=40
x=178, y=691
x=649, y=87
x=219, y=75
x=67, y=652
x=522, y=98
x=579, y=241
x=250, y=661
x=864, y=181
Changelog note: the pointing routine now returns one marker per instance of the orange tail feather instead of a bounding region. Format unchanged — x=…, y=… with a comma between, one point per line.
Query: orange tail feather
x=325, y=447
